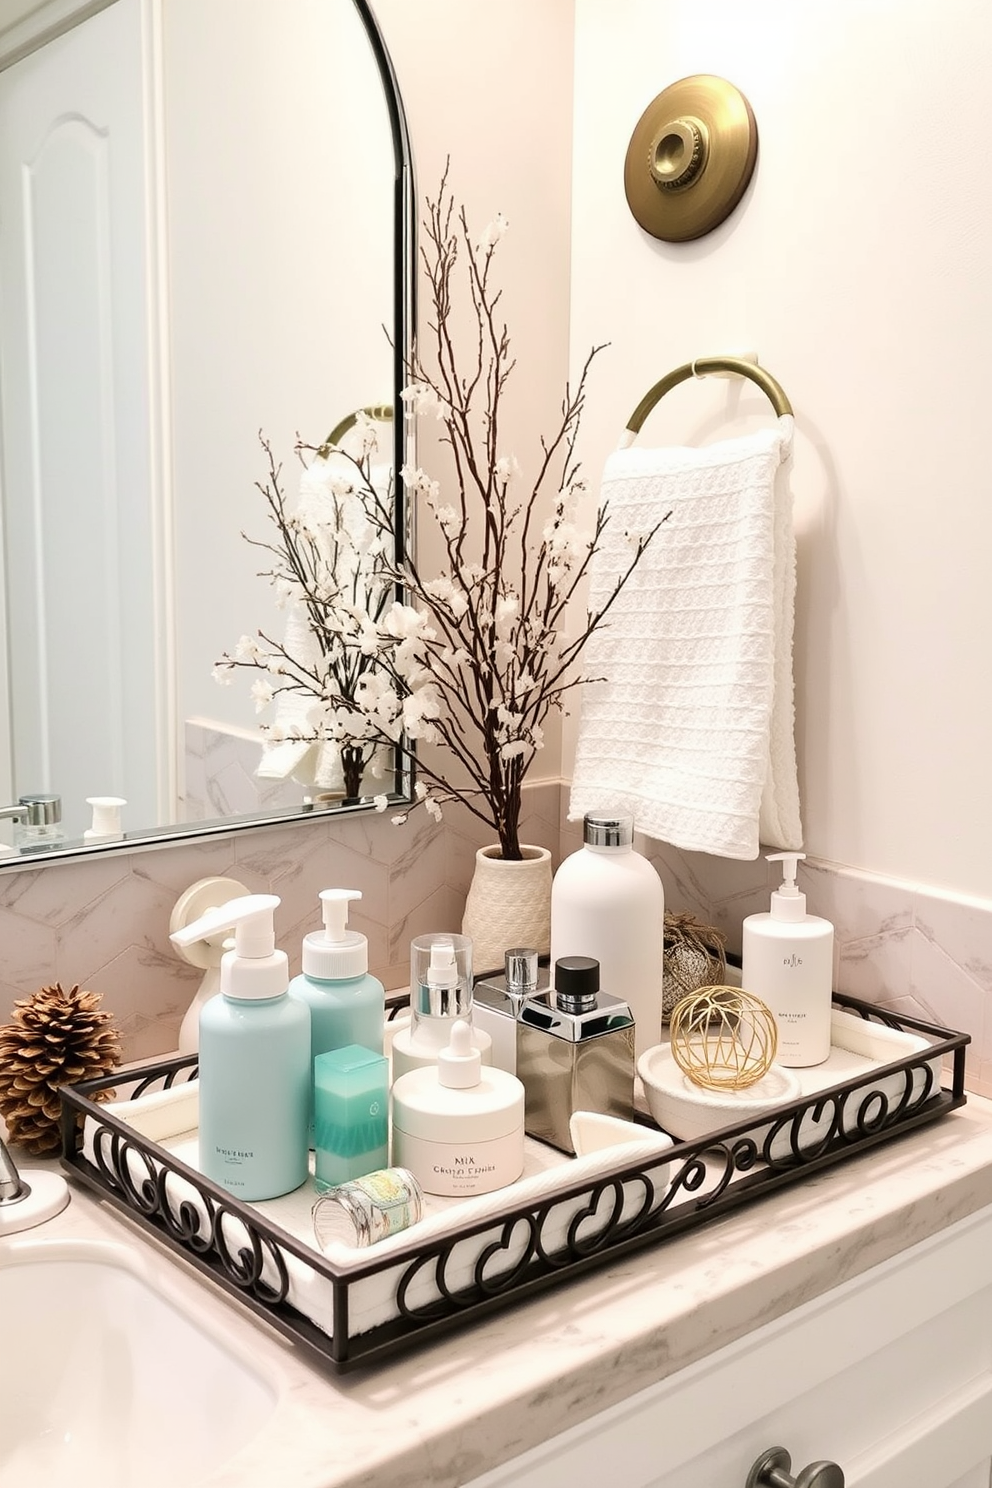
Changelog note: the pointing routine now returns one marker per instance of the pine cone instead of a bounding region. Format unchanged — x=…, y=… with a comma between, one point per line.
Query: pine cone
x=56, y=1038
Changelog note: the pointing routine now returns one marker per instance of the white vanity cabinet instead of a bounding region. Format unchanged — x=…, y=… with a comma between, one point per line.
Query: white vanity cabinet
x=888, y=1375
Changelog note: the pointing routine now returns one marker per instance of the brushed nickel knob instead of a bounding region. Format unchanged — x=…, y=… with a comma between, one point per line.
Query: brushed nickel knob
x=773, y=1469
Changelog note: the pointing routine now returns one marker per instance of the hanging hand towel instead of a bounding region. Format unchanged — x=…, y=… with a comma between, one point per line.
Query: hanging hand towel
x=688, y=725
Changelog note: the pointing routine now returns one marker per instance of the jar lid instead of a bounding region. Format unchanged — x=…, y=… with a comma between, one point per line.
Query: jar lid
x=423, y=1107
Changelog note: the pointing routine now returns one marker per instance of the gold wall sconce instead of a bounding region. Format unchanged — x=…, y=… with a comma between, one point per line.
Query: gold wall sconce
x=690, y=158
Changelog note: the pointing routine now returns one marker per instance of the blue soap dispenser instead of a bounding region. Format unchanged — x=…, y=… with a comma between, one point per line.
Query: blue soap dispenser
x=254, y=1085
x=346, y=1005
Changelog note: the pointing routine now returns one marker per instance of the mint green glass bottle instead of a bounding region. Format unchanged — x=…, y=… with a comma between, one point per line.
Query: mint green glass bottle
x=254, y=1083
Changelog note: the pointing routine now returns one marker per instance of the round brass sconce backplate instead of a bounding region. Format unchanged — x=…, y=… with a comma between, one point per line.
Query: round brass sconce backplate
x=690, y=158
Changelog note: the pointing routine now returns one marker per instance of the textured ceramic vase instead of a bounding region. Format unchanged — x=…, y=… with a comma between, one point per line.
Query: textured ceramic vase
x=508, y=904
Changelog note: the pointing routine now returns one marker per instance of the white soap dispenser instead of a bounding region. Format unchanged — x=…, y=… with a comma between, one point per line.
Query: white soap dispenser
x=106, y=824
x=788, y=962
x=254, y=1086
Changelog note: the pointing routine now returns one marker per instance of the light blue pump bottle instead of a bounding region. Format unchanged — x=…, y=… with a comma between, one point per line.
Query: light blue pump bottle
x=255, y=1072
x=347, y=1005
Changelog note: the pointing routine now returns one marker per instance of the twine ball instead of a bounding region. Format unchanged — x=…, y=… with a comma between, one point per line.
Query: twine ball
x=723, y=1038
x=694, y=957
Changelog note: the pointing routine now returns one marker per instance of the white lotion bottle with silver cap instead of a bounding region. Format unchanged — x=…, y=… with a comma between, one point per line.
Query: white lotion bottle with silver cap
x=608, y=902
x=788, y=961
x=254, y=1085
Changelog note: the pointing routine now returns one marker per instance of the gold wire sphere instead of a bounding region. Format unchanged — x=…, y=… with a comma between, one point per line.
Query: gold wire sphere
x=723, y=1038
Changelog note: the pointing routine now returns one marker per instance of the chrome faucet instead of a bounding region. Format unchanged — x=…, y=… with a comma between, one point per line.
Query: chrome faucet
x=39, y=815
x=11, y=1187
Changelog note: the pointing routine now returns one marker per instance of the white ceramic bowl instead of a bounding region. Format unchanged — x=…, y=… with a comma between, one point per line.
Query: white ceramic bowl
x=686, y=1111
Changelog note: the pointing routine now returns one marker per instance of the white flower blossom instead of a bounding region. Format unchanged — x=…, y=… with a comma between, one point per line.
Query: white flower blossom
x=380, y=802
x=223, y=673
x=420, y=399
x=448, y=520
x=405, y=623
x=365, y=433
x=419, y=711
x=492, y=232
x=398, y=821
x=248, y=649
x=433, y=809
x=512, y=751
x=420, y=483
x=262, y=693
x=506, y=468
x=507, y=611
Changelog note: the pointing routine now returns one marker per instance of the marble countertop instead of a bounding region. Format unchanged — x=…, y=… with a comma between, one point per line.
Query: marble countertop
x=446, y=1413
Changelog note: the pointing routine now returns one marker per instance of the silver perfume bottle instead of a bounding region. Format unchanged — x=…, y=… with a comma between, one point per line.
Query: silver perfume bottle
x=575, y=1052
x=497, y=1002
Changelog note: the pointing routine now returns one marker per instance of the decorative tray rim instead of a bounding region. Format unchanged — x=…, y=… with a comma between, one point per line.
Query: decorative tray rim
x=577, y=1226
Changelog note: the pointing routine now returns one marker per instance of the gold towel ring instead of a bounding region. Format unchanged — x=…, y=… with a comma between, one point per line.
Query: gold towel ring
x=380, y=413
x=700, y=367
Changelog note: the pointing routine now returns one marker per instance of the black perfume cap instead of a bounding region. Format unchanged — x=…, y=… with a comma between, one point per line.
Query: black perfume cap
x=576, y=983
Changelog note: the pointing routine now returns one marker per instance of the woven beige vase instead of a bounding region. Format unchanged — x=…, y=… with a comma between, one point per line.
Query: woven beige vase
x=508, y=904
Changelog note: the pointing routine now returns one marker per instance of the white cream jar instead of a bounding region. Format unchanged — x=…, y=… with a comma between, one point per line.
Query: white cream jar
x=459, y=1126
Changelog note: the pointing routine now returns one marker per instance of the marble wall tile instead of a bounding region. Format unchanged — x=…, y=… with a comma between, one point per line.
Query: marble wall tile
x=104, y=921
x=901, y=946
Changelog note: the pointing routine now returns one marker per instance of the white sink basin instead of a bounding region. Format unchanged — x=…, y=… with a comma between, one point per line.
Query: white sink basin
x=107, y=1381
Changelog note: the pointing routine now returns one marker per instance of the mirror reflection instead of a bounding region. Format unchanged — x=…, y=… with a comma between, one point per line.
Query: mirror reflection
x=206, y=225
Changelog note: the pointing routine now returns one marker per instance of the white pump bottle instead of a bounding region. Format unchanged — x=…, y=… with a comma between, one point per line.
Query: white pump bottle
x=254, y=1086
x=788, y=961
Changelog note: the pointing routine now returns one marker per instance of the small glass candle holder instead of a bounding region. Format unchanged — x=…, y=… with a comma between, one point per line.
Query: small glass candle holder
x=368, y=1209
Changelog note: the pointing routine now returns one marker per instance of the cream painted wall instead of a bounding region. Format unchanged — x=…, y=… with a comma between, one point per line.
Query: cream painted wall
x=857, y=268
x=491, y=88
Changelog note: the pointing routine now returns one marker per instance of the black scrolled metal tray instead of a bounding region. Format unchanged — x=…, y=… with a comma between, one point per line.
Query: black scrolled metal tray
x=409, y=1291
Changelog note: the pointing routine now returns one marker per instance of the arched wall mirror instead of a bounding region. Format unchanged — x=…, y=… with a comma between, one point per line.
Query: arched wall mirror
x=206, y=234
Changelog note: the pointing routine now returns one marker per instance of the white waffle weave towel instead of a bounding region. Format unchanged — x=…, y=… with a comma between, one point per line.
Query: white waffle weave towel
x=690, y=728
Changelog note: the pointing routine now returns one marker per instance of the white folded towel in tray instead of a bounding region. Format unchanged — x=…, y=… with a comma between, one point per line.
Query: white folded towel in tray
x=691, y=729
x=169, y=1119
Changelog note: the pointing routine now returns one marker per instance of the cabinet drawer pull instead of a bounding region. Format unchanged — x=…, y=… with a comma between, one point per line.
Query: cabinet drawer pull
x=773, y=1470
